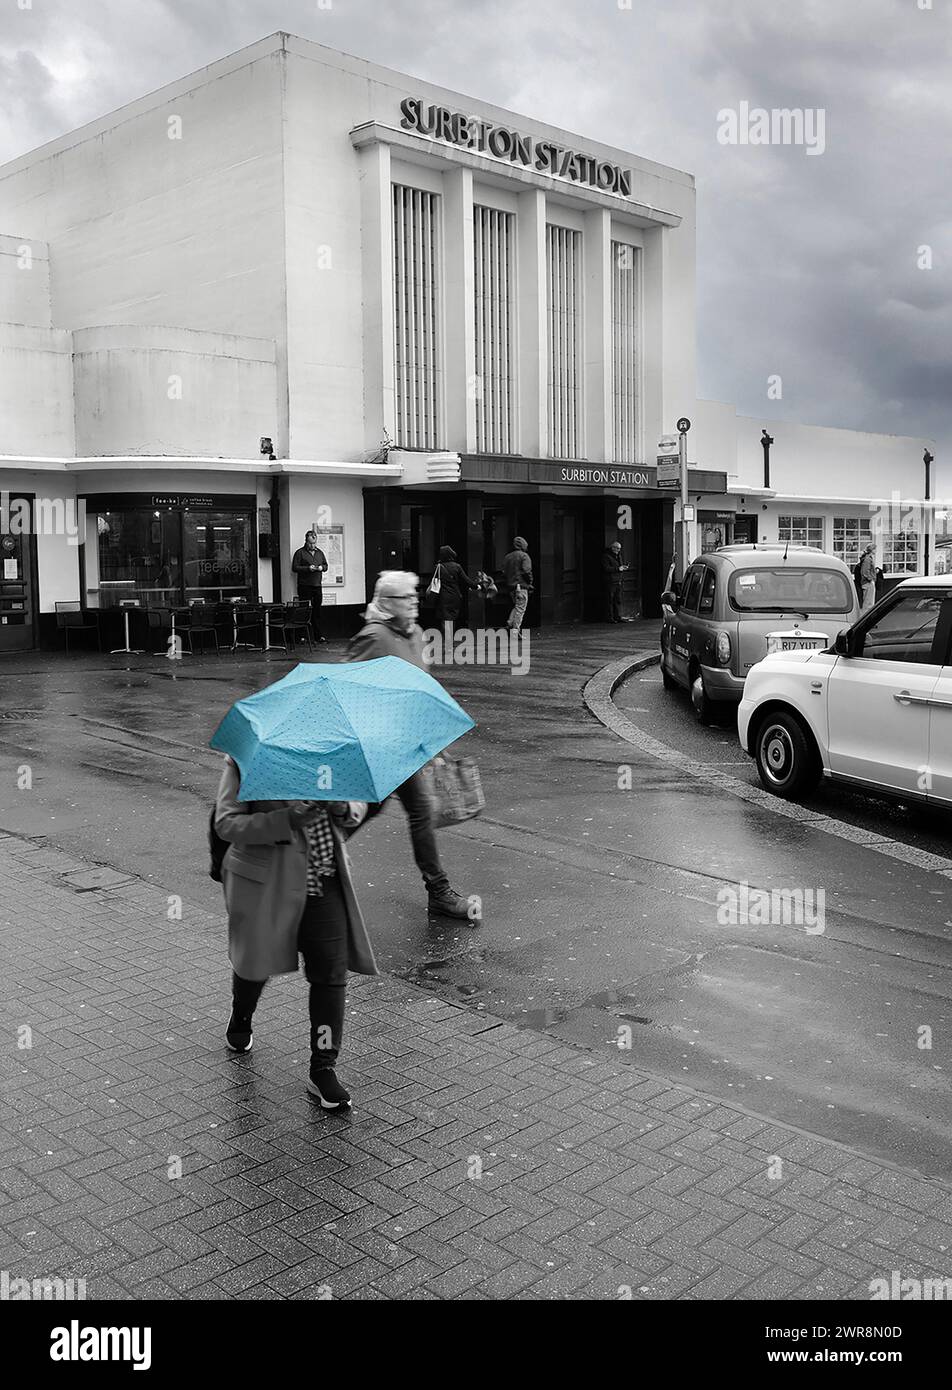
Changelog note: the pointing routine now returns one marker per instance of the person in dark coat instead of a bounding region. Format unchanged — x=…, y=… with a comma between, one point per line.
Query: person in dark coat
x=310, y=564
x=391, y=629
x=454, y=581
x=613, y=569
x=288, y=891
x=517, y=573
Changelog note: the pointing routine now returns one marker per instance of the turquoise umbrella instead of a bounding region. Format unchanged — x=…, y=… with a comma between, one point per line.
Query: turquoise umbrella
x=350, y=732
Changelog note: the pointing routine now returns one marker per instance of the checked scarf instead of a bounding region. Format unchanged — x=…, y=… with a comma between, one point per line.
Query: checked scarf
x=321, y=858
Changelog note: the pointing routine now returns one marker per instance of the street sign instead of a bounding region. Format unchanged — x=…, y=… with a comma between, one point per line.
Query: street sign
x=669, y=471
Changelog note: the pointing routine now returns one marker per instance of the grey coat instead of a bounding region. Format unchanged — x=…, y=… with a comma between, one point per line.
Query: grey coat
x=264, y=874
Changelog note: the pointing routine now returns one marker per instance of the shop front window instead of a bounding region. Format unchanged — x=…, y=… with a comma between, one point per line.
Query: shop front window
x=160, y=558
x=851, y=535
x=714, y=534
x=801, y=530
x=216, y=551
x=900, y=551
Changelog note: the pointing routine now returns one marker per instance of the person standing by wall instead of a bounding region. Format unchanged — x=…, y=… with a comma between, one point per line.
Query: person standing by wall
x=517, y=573
x=613, y=569
x=310, y=564
x=867, y=575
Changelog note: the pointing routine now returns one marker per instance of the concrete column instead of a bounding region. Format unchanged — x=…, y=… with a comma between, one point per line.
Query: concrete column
x=532, y=423
x=597, y=335
x=548, y=580
x=473, y=558
x=376, y=200
x=460, y=316
x=653, y=343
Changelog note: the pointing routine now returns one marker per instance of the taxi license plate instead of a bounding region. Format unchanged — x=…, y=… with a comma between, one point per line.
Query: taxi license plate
x=799, y=644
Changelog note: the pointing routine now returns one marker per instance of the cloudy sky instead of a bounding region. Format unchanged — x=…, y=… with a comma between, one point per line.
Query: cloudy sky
x=810, y=267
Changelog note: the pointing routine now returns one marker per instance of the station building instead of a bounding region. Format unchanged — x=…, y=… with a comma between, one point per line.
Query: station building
x=296, y=290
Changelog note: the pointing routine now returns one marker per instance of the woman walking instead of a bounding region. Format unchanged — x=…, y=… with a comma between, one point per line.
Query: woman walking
x=454, y=581
x=288, y=891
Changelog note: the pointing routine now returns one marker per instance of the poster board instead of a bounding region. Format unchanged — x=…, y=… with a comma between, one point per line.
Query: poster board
x=331, y=541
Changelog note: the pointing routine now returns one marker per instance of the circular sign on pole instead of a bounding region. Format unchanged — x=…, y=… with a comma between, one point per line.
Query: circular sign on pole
x=684, y=424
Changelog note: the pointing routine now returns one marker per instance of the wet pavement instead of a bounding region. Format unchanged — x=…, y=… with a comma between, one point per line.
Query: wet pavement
x=599, y=866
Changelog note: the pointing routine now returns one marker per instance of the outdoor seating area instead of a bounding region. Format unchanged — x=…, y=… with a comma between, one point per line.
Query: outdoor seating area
x=195, y=629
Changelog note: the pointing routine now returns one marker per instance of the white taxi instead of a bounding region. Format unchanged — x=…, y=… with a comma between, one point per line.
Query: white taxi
x=873, y=710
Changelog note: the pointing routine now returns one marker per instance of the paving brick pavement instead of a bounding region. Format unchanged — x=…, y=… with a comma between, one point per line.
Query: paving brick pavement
x=481, y=1161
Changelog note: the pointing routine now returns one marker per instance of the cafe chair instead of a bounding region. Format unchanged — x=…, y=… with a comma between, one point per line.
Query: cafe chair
x=249, y=621
x=197, y=620
x=293, y=622
x=71, y=617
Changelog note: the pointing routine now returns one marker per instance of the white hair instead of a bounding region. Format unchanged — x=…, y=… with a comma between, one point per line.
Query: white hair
x=391, y=582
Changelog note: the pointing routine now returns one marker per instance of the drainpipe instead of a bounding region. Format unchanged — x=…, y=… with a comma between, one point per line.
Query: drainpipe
x=274, y=506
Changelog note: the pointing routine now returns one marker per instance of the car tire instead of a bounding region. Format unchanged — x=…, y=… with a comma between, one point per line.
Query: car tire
x=667, y=680
x=786, y=757
x=703, y=704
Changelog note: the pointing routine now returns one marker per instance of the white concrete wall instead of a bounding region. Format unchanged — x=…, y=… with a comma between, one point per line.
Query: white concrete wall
x=151, y=230
x=25, y=282
x=343, y=500
x=813, y=460
x=36, y=392
x=171, y=391
x=325, y=283
x=712, y=440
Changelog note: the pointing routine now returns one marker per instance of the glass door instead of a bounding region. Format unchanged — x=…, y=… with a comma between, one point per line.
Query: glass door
x=568, y=557
x=17, y=563
x=217, y=555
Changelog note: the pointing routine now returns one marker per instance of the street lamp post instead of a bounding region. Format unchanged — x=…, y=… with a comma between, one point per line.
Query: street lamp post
x=684, y=424
x=928, y=459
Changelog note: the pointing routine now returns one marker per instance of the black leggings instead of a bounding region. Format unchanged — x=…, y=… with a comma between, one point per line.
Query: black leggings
x=322, y=942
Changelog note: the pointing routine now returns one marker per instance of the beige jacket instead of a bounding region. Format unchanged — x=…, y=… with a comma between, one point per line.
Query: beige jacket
x=264, y=874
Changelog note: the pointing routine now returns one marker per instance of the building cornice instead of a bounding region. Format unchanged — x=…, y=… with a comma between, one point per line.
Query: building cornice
x=424, y=150
x=139, y=463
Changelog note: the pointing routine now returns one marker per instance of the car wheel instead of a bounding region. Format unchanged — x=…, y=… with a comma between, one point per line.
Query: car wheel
x=703, y=705
x=667, y=680
x=786, y=759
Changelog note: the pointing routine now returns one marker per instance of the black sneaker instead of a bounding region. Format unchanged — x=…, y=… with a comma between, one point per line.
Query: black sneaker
x=327, y=1088
x=238, y=1034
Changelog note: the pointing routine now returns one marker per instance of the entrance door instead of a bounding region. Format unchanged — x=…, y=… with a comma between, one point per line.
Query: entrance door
x=17, y=567
x=745, y=530
x=568, y=563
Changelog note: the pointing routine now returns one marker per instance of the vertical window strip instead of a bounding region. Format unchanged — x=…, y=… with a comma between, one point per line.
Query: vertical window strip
x=625, y=351
x=493, y=278
x=564, y=290
x=417, y=341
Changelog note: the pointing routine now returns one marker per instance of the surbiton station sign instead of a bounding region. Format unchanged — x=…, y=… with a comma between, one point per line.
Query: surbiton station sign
x=484, y=137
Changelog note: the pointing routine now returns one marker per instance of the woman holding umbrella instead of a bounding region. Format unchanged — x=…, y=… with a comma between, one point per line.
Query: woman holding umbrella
x=288, y=891
x=343, y=731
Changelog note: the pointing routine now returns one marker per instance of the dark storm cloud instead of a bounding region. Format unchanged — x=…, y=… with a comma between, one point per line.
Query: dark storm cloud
x=807, y=265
